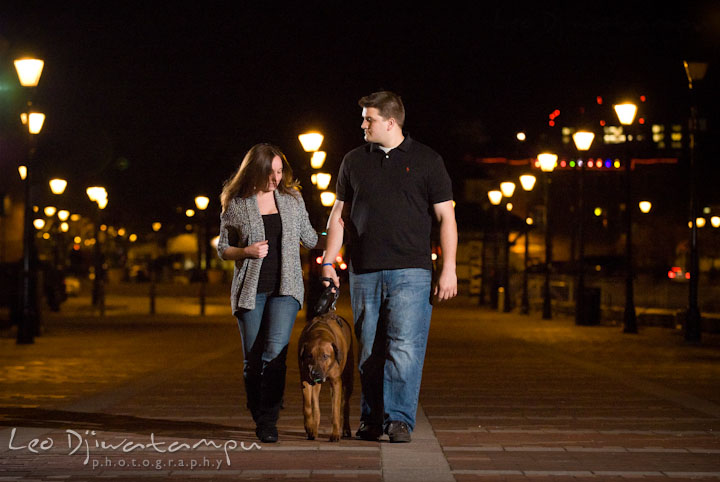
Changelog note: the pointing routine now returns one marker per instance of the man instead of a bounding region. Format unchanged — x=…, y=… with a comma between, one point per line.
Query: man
x=387, y=194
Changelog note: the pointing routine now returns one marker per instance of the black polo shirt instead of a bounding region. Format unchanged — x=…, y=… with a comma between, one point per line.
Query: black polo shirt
x=390, y=197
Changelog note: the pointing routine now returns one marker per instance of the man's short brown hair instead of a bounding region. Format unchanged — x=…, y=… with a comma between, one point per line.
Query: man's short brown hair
x=387, y=103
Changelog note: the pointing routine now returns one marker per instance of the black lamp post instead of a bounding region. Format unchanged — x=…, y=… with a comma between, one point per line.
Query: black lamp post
x=527, y=181
x=29, y=72
x=201, y=202
x=311, y=142
x=98, y=195
x=583, y=140
x=507, y=188
x=495, y=197
x=695, y=71
x=626, y=114
x=547, y=161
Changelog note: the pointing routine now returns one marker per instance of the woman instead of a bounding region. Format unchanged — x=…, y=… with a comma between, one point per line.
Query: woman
x=262, y=224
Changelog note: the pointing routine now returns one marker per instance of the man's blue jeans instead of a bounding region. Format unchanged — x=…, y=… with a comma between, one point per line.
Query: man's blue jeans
x=392, y=310
x=265, y=334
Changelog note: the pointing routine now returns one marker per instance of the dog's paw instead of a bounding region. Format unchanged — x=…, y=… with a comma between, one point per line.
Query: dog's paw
x=310, y=436
x=347, y=433
x=335, y=437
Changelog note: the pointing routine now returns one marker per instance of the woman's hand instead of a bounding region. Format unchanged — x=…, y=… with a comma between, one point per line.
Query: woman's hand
x=257, y=250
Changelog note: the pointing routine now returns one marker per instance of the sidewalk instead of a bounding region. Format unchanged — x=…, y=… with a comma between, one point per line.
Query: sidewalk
x=505, y=397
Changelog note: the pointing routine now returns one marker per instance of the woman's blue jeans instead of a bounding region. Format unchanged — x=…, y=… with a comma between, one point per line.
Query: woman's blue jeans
x=392, y=310
x=265, y=334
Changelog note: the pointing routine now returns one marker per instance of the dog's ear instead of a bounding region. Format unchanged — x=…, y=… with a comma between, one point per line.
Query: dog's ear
x=302, y=351
x=338, y=352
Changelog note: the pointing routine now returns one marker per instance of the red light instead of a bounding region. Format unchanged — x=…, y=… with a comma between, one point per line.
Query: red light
x=318, y=260
x=676, y=269
x=551, y=123
x=590, y=163
x=642, y=98
x=343, y=266
x=687, y=275
x=338, y=259
x=602, y=123
x=598, y=99
x=641, y=120
x=563, y=164
x=671, y=274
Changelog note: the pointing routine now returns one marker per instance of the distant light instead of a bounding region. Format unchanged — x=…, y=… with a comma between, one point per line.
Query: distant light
x=22, y=170
x=643, y=98
x=700, y=222
x=156, y=226
x=608, y=163
x=583, y=140
x=645, y=206
x=39, y=223
x=509, y=206
x=521, y=136
x=74, y=217
x=132, y=238
x=189, y=213
x=77, y=240
x=121, y=232
x=563, y=163
x=602, y=123
x=626, y=112
x=547, y=161
x=715, y=221
x=590, y=163
x=551, y=123
x=641, y=120
x=507, y=188
x=599, y=100
x=495, y=197
x=311, y=141
x=434, y=257
x=318, y=260
x=202, y=202
x=318, y=159
x=598, y=211
x=64, y=227
x=63, y=215
x=35, y=122
x=29, y=71
x=50, y=211
x=57, y=186
x=323, y=180
x=327, y=198
x=527, y=181
x=46, y=236
x=572, y=164
x=616, y=164
x=529, y=221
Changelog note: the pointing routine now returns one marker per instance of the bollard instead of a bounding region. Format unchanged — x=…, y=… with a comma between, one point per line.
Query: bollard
x=501, y=299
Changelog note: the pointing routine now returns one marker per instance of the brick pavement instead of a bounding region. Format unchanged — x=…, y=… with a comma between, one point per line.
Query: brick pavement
x=504, y=397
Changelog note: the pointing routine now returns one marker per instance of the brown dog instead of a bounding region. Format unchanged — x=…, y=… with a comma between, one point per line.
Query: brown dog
x=325, y=353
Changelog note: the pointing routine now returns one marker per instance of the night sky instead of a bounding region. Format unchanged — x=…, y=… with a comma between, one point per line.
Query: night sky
x=159, y=101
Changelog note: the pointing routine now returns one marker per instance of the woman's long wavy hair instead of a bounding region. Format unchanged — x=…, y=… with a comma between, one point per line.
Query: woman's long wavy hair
x=253, y=174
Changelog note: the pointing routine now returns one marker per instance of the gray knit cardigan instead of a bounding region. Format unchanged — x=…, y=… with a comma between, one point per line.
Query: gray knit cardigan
x=241, y=225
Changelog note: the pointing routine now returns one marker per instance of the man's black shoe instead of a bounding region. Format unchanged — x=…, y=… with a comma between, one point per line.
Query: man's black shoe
x=398, y=432
x=369, y=432
x=267, y=434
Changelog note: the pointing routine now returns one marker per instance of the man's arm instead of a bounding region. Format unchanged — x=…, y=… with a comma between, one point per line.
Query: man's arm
x=446, y=286
x=333, y=242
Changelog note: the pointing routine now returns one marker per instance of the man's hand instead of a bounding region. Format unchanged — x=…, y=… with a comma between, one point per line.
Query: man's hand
x=446, y=286
x=329, y=272
x=257, y=250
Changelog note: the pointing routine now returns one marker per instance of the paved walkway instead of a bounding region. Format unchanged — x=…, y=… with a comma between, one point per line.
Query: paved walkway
x=505, y=397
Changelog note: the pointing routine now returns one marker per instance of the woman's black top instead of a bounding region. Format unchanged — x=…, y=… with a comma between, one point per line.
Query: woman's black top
x=269, y=281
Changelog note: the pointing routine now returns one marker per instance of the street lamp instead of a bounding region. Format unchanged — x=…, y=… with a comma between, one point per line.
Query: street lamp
x=527, y=182
x=507, y=188
x=29, y=72
x=547, y=161
x=583, y=140
x=695, y=71
x=495, y=197
x=98, y=195
x=311, y=142
x=202, y=202
x=626, y=114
